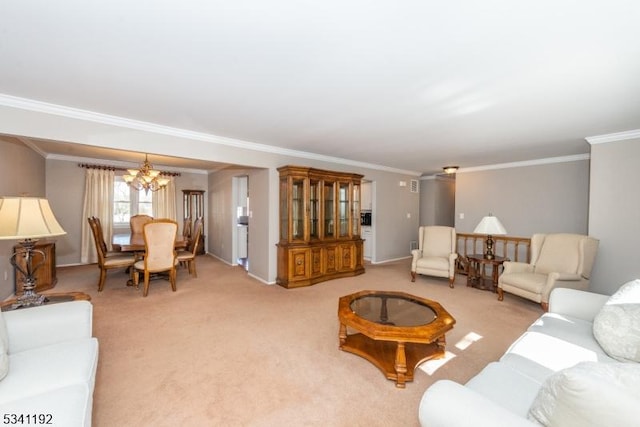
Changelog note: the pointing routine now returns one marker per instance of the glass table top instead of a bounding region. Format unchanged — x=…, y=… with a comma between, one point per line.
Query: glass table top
x=393, y=310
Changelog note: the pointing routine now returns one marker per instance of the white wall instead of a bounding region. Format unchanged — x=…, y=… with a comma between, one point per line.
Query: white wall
x=614, y=213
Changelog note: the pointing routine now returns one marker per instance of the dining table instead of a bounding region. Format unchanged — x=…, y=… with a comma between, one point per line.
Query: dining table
x=135, y=242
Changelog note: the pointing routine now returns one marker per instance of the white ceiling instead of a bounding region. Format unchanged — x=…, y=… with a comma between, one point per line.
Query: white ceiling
x=413, y=85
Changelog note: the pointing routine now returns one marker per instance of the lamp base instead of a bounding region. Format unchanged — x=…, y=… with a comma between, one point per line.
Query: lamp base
x=29, y=299
x=489, y=252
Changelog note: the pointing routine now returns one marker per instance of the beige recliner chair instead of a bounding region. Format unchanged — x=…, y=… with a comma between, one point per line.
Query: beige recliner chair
x=559, y=260
x=436, y=254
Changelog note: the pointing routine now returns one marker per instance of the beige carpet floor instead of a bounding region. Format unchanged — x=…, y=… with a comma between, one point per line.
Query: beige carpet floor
x=228, y=350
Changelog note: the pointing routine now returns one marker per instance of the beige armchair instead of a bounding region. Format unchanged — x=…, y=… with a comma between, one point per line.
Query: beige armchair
x=436, y=254
x=559, y=260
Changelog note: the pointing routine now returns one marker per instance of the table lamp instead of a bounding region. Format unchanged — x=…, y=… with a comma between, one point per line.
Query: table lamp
x=491, y=226
x=26, y=219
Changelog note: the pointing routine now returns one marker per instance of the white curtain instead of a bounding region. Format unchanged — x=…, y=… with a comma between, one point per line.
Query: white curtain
x=164, y=202
x=98, y=202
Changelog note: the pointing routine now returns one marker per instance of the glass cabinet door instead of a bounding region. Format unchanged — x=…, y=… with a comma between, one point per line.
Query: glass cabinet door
x=343, y=209
x=329, y=209
x=355, y=217
x=297, y=209
x=314, y=208
x=284, y=209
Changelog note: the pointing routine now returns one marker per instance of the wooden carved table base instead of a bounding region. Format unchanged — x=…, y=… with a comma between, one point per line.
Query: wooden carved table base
x=397, y=360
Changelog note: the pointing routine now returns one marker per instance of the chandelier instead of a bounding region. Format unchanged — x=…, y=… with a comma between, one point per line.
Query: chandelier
x=145, y=178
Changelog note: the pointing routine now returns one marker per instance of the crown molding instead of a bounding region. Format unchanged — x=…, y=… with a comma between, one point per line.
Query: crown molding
x=614, y=137
x=90, y=116
x=548, y=160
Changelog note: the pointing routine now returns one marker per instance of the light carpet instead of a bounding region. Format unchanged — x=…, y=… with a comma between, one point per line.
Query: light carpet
x=228, y=350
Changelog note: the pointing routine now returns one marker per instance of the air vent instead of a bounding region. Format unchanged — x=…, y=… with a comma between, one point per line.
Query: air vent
x=413, y=245
x=415, y=186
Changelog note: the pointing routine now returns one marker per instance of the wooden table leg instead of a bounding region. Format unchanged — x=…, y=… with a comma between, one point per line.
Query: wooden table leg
x=401, y=365
x=342, y=335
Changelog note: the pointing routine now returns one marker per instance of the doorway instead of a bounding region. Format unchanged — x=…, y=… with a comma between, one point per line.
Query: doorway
x=240, y=203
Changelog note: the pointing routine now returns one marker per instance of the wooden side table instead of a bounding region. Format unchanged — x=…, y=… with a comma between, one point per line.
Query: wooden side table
x=476, y=276
x=50, y=299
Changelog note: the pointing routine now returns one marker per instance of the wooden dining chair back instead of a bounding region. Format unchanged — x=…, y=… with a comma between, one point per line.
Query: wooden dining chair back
x=189, y=256
x=186, y=228
x=107, y=260
x=137, y=223
x=160, y=254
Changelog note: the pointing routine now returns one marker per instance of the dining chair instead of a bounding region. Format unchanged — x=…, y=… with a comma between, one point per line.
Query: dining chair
x=189, y=256
x=107, y=260
x=160, y=254
x=137, y=223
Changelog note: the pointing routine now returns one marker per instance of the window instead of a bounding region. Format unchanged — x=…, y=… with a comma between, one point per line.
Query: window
x=128, y=202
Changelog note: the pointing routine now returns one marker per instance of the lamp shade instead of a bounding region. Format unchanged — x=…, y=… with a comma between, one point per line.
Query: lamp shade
x=27, y=218
x=490, y=225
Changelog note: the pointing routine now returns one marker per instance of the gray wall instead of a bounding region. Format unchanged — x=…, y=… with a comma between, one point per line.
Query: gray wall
x=614, y=213
x=437, y=200
x=22, y=173
x=542, y=198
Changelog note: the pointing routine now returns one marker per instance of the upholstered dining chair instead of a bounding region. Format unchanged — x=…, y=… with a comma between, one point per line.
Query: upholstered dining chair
x=436, y=254
x=560, y=260
x=137, y=222
x=107, y=260
x=160, y=254
x=188, y=257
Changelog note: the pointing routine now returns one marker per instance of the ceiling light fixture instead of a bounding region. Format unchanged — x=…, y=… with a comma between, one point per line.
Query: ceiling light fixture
x=145, y=178
x=450, y=169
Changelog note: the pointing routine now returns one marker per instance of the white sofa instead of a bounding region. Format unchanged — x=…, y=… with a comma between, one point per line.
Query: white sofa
x=533, y=376
x=49, y=360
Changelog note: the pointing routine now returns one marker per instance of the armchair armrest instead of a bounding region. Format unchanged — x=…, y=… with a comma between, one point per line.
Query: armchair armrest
x=34, y=327
x=567, y=277
x=575, y=303
x=449, y=404
x=516, y=267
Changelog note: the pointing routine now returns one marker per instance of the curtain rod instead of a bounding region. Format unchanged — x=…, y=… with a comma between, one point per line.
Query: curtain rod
x=114, y=168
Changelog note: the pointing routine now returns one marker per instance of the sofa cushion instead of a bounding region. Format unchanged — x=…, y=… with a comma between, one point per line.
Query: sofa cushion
x=50, y=367
x=69, y=406
x=496, y=377
x=617, y=325
x=4, y=348
x=570, y=329
x=589, y=394
x=538, y=354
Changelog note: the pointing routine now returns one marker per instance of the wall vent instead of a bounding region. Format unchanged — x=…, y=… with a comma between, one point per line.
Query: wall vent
x=413, y=245
x=415, y=186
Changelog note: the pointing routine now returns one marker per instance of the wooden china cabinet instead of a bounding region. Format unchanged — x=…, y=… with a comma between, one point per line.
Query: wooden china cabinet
x=319, y=226
x=193, y=209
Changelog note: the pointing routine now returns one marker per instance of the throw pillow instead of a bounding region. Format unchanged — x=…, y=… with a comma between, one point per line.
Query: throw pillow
x=589, y=394
x=617, y=326
x=4, y=348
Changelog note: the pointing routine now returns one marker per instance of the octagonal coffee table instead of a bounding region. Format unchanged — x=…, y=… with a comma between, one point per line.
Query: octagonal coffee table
x=393, y=330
